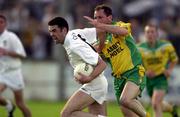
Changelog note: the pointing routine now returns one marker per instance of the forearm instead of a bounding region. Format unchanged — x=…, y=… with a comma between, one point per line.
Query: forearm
x=112, y=29
x=107, y=27
x=168, y=71
x=13, y=54
x=171, y=66
x=100, y=67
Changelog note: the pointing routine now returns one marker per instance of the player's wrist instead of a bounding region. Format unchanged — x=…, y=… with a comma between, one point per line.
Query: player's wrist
x=6, y=53
x=91, y=78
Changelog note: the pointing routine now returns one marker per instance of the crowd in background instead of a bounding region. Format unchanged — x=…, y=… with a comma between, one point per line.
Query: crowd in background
x=28, y=19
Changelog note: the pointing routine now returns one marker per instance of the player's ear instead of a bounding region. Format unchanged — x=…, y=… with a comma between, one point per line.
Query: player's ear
x=64, y=30
x=110, y=17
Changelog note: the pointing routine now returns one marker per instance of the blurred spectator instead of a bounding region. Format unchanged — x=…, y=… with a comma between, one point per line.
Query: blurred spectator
x=136, y=29
x=41, y=45
x=26, y=16
x=49, y=13
x=17, y=16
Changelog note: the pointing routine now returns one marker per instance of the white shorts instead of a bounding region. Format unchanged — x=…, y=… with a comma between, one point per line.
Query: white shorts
x=12, y=79
x=97, y=88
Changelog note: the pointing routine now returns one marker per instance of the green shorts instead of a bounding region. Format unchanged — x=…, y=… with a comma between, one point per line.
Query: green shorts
x=159, y=82
x=131, y=75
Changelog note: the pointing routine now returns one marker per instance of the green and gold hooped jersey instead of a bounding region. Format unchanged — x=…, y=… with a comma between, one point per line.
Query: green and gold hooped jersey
x=121, y=51
x=157, y=58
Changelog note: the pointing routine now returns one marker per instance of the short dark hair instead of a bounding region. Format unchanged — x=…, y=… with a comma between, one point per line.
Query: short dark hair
x=107, y=9
x=3, y=17
x=60, y=22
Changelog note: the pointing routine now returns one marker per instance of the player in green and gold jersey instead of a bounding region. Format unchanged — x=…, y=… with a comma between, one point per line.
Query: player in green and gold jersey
x=118, y=47
x=159, y=59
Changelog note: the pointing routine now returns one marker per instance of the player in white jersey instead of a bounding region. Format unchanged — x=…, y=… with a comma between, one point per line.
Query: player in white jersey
x=94, y=87
x=11, y=53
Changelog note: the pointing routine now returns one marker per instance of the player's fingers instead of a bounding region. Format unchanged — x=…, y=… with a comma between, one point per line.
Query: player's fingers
x=77, y=80
x=88, y=18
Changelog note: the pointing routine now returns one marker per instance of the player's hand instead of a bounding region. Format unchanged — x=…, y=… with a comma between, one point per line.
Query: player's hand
x=82, y=79
x=92, y=21
x=3, y=51
x=167, y=73
x=150, y=74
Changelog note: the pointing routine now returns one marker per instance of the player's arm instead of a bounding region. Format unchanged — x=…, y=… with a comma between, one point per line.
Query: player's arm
x=98, y=69
x=169, y=70
x=173, y=58
x=106, y=27
x=4, y=52
x=89, y=56
x=172, y=64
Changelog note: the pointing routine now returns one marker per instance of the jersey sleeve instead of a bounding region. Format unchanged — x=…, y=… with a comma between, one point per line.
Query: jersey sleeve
x=90, y=35
x=17, y=46
x=172, y=53
x=125, y=25
x=83, y=50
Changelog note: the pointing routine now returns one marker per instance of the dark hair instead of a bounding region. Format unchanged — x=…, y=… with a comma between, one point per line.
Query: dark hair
x=60, y=22
x=107, y=9
x=3, y=17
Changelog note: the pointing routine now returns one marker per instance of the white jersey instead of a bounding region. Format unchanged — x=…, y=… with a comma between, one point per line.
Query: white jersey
x=10, y=42
x=10, y=68
x=78, y=51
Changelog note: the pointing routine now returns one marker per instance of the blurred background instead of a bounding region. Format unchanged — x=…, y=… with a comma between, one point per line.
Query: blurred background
x=47, y=73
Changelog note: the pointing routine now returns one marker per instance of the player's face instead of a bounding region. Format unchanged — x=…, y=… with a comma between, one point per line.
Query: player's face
x=151, y=33
x=2, y=25
x=57, y=34
x=101, y=17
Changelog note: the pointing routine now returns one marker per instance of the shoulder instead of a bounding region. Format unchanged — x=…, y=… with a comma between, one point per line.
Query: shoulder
x=121, y=23
x=142, y=45
x=165, y=45
x=88, y=29
x=73, y=33
x=11, y=35
x=72, y=40
x=163, y=42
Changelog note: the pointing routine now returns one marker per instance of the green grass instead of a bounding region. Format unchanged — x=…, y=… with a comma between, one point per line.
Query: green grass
x=52, y=109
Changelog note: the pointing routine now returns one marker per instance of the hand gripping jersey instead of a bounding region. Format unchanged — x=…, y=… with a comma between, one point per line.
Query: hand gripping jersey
x=157, y=58
x=121, y=51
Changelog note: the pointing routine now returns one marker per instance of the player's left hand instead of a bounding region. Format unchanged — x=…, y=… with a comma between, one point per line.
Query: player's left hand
x=167, y=73
x=92, y=21
x=82, y=79
x=2, y=51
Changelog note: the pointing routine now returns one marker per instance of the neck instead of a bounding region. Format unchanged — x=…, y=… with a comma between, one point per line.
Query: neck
x=2, y=32
x=152, y=43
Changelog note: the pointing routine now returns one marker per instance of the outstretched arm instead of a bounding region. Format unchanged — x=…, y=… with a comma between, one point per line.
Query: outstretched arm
x=106, y=27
